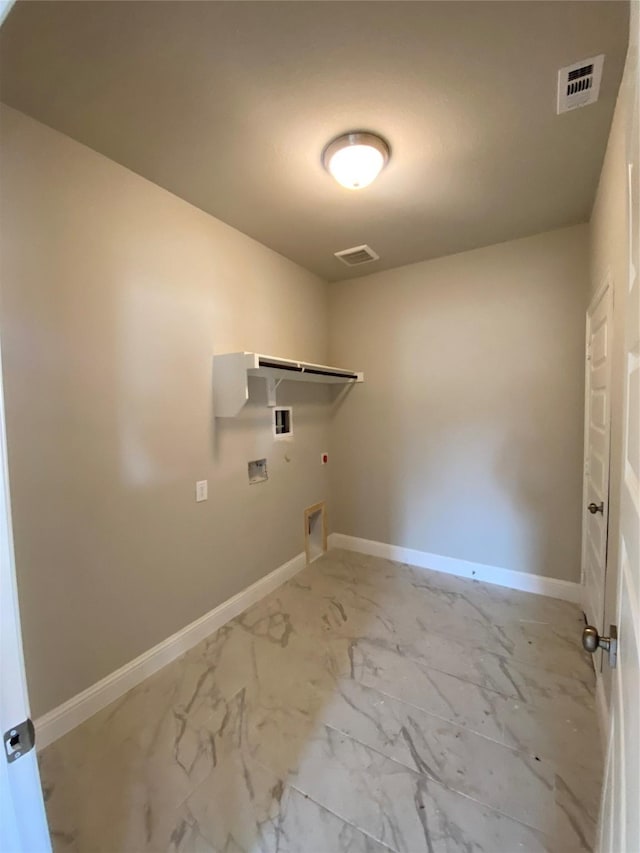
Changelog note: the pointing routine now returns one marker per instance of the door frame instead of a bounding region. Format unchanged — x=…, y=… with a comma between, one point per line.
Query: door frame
x=607, y=285
x=618, y=829
x=23, y=822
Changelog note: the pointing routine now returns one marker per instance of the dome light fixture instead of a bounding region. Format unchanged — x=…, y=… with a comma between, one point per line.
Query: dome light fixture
x=355, y=159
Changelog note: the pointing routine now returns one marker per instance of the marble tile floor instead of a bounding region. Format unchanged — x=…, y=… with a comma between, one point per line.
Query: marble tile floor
x=365, y=706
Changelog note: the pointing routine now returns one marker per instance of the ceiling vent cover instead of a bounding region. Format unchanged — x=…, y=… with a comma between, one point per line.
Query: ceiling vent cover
x=357, y=255
x=579, y=84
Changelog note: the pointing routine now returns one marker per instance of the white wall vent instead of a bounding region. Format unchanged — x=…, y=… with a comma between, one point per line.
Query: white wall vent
x=357, y=255
x=579, y=84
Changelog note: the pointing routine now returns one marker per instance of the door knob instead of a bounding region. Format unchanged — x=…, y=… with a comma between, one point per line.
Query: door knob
x=594, y=508
x=592, y=641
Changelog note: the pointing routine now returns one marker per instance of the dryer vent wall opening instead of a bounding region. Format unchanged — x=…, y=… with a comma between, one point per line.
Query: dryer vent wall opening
x=315, y=531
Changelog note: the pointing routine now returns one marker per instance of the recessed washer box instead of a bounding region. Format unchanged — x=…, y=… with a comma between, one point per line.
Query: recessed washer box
x=258, y=471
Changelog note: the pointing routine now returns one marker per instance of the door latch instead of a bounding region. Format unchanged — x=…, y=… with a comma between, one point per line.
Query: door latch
x=592, y=641
x=594, y=508
x=19, y=739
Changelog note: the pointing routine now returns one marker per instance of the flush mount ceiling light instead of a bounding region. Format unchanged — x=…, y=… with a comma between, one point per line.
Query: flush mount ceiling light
x=356, y=159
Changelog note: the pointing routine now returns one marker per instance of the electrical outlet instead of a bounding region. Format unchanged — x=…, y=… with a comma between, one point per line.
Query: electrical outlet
x=202, y=490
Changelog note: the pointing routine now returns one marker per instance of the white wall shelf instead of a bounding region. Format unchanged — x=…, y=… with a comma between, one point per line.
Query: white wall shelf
x=232, y=370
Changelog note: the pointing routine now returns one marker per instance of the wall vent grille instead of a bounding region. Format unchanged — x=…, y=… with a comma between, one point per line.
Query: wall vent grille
x=357, y=255
x=579, y=84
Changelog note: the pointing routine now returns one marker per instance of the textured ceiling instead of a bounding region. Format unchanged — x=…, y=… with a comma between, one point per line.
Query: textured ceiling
x=229, y=104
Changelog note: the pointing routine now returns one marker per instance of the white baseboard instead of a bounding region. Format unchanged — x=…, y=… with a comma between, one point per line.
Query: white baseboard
x=566, y=590
x=76, y=710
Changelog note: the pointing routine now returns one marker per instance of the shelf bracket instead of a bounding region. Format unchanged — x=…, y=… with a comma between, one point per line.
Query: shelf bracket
x=272, y=387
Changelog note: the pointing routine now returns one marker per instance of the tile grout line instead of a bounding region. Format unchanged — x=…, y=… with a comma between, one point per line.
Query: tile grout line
x=509, y=746
x=289, y=784
x=419, y=774
x=342, y=819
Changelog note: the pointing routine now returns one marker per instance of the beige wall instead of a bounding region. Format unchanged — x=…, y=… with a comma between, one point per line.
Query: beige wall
x=466, y=438
x=609, y=232
x=115, y=295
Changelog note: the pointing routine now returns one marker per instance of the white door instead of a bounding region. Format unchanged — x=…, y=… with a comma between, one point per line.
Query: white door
x=620, y=820
x=596, y=452
x=23, y=824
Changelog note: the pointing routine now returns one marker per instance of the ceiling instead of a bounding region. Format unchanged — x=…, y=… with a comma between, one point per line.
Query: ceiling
x=229, y=104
